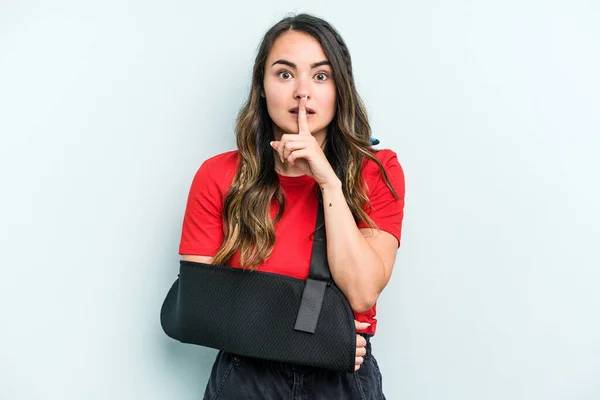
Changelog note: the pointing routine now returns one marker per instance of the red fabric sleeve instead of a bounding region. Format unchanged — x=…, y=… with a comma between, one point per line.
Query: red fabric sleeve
x=386, y=211
x=202, y=231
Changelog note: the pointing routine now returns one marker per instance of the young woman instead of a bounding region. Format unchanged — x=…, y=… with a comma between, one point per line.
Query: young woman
x=302, y=130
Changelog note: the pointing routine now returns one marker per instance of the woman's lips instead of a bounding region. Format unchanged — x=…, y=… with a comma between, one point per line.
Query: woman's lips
x=295, y=115
x=309, y=112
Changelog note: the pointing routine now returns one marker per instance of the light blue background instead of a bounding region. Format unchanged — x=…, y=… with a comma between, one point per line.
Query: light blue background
x=107, y=108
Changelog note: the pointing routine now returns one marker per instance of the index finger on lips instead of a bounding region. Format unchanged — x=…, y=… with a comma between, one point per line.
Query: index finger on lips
x=302, y=120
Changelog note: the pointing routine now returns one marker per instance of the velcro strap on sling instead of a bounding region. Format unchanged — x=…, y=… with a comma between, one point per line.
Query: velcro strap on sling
x=310, y=307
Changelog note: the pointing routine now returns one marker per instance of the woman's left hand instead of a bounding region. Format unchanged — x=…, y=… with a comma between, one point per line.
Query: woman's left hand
x=361, y=344
x=303, y=150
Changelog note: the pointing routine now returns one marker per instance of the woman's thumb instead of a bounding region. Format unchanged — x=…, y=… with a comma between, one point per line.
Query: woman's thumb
x=360, y=326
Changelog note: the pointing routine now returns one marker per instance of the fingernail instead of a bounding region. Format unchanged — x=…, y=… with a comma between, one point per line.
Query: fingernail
x=271, y=143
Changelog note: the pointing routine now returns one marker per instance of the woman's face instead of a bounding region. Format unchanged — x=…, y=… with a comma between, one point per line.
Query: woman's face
x=297, y=67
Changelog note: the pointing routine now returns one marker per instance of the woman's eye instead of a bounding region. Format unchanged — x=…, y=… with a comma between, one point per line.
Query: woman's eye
x=285, y=75
x=321, y=77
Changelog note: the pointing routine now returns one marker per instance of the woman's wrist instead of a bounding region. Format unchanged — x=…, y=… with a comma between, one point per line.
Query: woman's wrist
x=331, y=185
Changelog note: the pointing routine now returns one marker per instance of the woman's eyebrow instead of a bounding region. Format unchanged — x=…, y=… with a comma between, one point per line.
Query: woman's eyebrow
x=291, y=64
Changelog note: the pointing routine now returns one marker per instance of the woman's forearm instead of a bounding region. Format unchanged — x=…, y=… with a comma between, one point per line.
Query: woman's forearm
x=355, y=267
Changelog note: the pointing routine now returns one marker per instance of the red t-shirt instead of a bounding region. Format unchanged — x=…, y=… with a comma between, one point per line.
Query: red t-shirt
x=203, y=228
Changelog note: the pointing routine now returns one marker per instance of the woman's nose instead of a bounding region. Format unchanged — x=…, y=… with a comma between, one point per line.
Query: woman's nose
x=302, y=89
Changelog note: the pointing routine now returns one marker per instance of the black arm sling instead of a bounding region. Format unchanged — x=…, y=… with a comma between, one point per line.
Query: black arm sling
x=265, y=315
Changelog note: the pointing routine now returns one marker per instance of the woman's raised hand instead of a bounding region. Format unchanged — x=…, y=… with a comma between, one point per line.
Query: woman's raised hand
x=303, y=150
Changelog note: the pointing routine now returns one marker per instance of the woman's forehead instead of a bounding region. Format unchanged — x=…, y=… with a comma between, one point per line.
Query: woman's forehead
x=297, y=47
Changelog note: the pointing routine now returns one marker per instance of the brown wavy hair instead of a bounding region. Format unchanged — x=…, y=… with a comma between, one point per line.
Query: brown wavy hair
x=249, y=228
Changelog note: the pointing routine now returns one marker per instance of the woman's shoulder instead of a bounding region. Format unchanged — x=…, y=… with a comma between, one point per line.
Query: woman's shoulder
x=388, y=159
x=219, y=169
x=226, y=160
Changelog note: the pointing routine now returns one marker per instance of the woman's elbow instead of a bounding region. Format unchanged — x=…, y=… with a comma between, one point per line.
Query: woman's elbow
x=363, y=303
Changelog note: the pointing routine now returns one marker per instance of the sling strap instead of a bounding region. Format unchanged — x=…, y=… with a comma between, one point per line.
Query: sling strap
x=318, y=279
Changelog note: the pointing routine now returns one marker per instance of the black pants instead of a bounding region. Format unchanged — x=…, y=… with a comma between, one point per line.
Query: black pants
x=238, y=378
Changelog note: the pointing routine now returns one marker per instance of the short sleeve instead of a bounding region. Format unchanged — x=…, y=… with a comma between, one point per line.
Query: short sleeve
x=386, y=211
x=202, y=231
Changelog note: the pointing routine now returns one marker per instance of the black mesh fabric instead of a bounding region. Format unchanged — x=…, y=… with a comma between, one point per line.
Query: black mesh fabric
x=252, y=313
